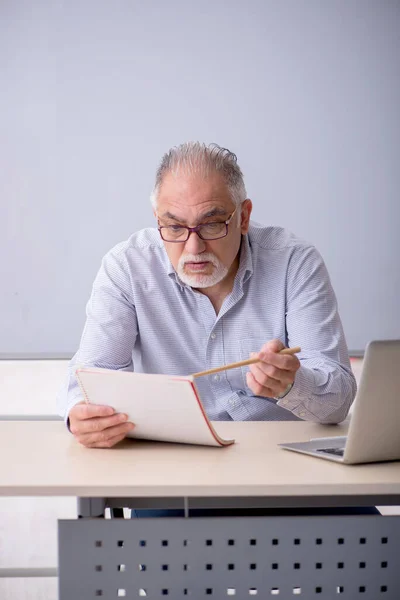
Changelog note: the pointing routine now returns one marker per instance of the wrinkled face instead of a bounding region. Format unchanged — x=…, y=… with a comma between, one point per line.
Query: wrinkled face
x=193, y=200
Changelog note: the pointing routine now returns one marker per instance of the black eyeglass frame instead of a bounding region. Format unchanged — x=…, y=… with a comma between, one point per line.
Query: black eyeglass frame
x=197, y=230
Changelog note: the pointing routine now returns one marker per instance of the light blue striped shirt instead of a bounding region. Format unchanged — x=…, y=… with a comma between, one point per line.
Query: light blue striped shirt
x=141, y=317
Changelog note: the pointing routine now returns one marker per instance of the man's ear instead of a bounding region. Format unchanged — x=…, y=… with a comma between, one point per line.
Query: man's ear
x=247, y=207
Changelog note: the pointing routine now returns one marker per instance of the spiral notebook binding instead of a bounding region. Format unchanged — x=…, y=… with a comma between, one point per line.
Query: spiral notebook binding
x=86, y=397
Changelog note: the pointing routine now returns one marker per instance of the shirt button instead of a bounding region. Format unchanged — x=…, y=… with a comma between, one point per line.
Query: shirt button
x=213, y=336
x=302, y=413
x=232, y=402
x=284, y=401
x=216, y=377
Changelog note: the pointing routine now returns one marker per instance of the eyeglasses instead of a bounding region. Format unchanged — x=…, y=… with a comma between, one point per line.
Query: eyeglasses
x=206, y=231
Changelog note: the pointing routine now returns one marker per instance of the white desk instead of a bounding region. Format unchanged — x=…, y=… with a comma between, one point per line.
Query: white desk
x=43, y=459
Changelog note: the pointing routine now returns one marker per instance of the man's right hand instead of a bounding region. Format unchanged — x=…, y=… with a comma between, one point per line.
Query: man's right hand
x=97, y=426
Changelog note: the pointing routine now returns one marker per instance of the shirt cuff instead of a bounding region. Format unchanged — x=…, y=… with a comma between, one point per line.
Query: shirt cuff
x=303, y=389
x=75, y=400
x=285, y=393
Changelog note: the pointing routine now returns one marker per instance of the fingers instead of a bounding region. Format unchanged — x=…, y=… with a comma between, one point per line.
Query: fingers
x=269, y=353
x=258, y=389
x=285, y=362
x=267, y=368
x=95, y=424
x=273, y=346
x=105, y=438
x=85, y=410
x=109, y=443
x=270, y=376
x=273, y=373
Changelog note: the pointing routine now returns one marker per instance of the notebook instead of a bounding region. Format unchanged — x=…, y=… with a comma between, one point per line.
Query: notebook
x=166, y=408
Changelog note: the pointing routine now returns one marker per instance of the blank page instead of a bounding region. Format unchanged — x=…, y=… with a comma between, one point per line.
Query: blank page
x=162, y=407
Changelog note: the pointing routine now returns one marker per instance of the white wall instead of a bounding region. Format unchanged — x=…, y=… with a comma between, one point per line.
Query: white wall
x=93, y=92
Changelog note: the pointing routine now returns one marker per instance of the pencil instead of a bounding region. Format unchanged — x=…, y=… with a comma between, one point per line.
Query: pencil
x=243, y=363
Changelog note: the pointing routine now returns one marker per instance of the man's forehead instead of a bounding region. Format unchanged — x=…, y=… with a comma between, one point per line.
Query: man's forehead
x=191, y=197
x=183, y=213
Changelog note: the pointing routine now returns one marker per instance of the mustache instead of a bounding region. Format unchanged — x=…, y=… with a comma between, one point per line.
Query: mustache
x=199, y=258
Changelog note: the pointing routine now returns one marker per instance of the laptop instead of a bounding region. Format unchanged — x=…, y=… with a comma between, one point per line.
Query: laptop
x=374, y=430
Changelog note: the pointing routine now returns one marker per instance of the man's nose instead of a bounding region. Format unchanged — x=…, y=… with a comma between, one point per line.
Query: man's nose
x=194, y=244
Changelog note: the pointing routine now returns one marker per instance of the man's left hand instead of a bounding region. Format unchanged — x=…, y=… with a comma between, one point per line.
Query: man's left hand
x=274, y=373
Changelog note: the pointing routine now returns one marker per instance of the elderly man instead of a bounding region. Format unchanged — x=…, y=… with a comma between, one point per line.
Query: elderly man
x=210, y=287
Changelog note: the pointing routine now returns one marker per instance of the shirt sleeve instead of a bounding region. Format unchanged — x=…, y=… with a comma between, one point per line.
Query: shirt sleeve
x=110, y=329
x=324, y=386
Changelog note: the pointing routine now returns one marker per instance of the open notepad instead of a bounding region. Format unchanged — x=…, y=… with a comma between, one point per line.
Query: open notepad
x=163, y=407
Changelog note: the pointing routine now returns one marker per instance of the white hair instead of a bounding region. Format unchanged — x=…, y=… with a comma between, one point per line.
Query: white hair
x=198, y=158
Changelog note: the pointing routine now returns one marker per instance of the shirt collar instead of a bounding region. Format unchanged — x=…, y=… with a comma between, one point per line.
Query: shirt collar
x=245, y=270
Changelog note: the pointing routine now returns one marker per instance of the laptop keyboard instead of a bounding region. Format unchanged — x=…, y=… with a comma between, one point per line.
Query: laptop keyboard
x=335, y=451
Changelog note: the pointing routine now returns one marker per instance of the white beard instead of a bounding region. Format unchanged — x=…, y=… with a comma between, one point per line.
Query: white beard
x=201, y=280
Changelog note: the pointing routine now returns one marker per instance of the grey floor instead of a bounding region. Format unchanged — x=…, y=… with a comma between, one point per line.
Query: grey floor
x=28, y=526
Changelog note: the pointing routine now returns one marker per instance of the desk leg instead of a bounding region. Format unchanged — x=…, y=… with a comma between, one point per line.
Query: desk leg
x=91, y=507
